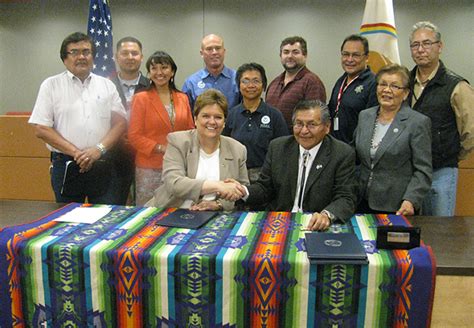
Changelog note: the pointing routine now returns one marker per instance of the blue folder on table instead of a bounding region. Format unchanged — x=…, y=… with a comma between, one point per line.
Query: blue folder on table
x=334, y=248
x=183, y=218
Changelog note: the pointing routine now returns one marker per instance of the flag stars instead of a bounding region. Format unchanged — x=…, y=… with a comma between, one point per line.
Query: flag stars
x=106, y=57
x=97, y=43
x=99, y=32
x=104, y=68
x=92, y=31
x=94, y=7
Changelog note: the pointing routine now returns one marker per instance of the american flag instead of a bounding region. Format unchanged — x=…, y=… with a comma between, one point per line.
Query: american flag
x=99, y=28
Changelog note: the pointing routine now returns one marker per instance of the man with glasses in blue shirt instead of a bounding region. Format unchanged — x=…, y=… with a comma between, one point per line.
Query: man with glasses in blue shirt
x=447, y=99
x=80, y=117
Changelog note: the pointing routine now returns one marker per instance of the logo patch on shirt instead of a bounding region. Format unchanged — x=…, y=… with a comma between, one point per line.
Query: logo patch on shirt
x=359, y=89
x=265, y=122
x=201, y=85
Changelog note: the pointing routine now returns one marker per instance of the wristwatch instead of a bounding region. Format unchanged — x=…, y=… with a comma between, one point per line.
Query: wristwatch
x=330, y=215
x=100, y=146
x=219, y=203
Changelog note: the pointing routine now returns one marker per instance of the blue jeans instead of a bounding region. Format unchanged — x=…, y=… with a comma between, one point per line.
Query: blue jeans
x=441, y=199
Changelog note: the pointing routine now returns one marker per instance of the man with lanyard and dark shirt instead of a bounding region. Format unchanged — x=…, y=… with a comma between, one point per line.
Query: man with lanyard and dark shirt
x=447, y=99
x=129, y=80
x=354, y=91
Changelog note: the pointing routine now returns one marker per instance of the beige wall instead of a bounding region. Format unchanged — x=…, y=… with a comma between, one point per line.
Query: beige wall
x=31, y=33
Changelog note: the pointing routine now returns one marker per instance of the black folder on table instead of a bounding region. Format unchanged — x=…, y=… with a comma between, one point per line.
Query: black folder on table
x=335, y=248
x=183, y=218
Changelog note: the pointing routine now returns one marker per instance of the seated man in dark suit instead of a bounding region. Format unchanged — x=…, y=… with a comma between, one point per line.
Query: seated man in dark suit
x=310, y=171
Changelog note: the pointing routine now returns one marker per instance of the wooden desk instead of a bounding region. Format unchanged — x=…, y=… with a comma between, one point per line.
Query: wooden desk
x=452, y=241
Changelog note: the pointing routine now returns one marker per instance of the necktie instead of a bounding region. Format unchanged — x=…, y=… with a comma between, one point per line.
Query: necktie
x=303, y=176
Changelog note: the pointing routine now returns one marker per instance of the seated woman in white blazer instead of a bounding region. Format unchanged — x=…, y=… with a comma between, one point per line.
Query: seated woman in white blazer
x=393, y=145
x=197, y=162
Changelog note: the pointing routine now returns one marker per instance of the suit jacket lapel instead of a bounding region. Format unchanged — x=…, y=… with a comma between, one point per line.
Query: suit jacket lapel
x=160, y=109
x=225, y=158
x=193, y=156
x=394, y=131
x=292, y=163
x=319, y=164
x=366, y=134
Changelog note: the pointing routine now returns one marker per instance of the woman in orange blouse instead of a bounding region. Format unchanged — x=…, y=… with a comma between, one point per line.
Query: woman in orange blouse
x=157, y=111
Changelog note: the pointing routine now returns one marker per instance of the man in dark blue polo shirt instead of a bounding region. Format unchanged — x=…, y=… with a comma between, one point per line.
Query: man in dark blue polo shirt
x=253, y=122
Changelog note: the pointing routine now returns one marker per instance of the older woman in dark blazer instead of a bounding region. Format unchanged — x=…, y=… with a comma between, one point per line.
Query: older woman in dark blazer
x=393, y=145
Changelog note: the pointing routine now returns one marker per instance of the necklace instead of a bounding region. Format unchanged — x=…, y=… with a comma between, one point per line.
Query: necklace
x=373, y=144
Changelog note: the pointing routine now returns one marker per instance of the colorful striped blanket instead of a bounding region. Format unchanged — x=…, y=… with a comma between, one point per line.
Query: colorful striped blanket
x=242, y=269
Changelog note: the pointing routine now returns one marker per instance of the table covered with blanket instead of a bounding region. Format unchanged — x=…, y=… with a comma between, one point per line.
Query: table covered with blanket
x=242, y=269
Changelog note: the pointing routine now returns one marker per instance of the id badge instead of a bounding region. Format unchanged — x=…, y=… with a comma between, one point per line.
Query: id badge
x=336, y=124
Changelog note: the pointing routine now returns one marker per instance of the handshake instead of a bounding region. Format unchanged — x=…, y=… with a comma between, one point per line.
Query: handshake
x=231, y=190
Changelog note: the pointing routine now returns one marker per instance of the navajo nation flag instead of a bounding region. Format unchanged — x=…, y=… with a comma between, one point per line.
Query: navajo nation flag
x=378, y=26
x=99, y=28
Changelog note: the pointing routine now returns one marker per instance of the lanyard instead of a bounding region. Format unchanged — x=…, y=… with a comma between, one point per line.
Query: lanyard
x=342, y=89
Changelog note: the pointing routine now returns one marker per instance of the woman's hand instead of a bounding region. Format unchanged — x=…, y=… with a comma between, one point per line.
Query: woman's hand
x=406, y=208
x=207, y=205
x=231, y=191
x=160, y=149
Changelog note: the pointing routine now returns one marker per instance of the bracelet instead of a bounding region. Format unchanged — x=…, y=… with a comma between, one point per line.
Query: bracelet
x=219, y=203
x=100, y=146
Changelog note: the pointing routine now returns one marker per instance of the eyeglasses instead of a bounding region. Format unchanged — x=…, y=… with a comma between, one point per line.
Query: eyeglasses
x=354, y=55
x=310, y=126
x=392, y=87
x=248, y=81
x=77, y=52
x=425, y=44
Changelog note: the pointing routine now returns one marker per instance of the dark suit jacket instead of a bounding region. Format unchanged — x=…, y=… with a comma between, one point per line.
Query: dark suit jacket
x=331, y=183
x=401, y=169
x=143, y=83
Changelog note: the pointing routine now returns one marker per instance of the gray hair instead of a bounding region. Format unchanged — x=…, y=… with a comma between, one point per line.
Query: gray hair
x=428, y=26
x=313, y=104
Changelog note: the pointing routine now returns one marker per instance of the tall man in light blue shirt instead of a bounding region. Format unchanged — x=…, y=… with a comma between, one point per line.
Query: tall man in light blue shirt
x=215, y=75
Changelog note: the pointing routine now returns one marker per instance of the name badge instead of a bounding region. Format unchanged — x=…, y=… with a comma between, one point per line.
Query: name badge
x=398, y=237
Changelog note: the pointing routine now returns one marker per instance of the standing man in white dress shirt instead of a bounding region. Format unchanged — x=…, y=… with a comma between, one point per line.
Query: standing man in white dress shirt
x=80, y=117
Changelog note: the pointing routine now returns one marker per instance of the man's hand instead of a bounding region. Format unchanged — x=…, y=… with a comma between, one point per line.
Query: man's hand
x=86, y=158
x=319, y=221
x=231, y=190
x=239, y=186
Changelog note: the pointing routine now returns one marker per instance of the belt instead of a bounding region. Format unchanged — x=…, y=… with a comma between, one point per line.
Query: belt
x=60, y=157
